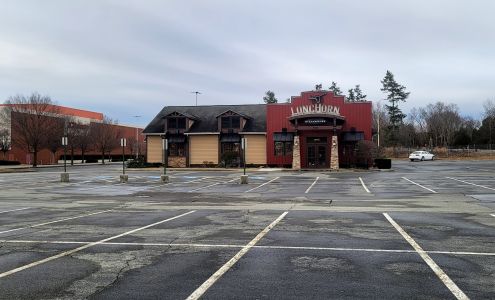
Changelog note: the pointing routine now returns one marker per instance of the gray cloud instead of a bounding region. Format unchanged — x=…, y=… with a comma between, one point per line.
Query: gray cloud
x=132, y=57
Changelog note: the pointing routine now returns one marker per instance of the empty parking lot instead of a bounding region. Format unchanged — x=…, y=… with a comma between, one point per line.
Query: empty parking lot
x=423, y=230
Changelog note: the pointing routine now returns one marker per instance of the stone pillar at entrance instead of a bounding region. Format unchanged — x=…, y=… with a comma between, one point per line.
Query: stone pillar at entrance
x=334, y=154
x=296, y=154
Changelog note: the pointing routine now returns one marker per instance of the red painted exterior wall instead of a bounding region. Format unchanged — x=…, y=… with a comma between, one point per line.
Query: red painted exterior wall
x=358, y=115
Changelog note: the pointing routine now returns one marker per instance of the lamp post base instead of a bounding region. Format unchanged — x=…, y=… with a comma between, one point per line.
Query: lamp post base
x=244, y=179
x=64, y=177
x=124, y=178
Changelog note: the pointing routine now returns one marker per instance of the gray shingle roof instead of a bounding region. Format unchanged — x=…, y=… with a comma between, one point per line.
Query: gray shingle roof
x=207, y=117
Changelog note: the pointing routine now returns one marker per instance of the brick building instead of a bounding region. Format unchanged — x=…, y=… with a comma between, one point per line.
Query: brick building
x=78, y=117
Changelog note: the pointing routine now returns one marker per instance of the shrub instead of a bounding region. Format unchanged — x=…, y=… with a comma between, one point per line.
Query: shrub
x=365, y=153
x=141, y=163
x=9, y=163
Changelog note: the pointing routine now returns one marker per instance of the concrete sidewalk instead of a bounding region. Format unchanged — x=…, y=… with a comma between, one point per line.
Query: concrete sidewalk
x=30, y=168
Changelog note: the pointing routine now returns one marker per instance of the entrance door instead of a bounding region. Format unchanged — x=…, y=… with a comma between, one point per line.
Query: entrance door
x=317, y=153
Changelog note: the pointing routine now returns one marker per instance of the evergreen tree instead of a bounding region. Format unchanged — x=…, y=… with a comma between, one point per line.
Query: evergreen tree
x=351, y=97
x=335, y=89
x=395, y=94
x=270, y=97
x=358, y=94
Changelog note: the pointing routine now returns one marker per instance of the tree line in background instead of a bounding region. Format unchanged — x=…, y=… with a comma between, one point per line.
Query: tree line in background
x=437, y=124
x=37, y=124
x=354, y=95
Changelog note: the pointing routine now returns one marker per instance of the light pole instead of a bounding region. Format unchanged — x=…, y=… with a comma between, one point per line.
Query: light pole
x=123, y=178
x=244, y=177
x=196, y=92
x=64, y=177
x=137, y=139
x=164, y=177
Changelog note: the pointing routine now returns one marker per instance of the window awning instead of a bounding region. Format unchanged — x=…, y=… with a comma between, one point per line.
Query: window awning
x=283, y=137
x=353, y=136
x=177, y=139
x=230, y=138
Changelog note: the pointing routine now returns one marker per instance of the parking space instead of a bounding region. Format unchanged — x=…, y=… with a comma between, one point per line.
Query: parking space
x=325, y=254
x=420, y=231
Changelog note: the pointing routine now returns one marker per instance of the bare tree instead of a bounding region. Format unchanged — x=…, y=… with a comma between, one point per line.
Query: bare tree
x=105, y=136
x=5, y=142
x=30, y=121
x=82, y=139
x=443, y=122
x=380, y=121
x=53, y=141
x=416, y=118
x=489, y=115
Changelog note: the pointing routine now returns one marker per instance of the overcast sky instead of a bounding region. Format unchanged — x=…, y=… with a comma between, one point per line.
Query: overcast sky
x=127, y=58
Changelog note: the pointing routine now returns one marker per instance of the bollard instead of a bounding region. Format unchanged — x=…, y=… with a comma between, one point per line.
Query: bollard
x=124, y=178
x=164, y=178
x=64, y=177
x=244, y=179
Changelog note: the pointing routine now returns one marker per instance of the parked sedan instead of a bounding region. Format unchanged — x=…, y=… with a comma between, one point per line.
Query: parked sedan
x=421, y=155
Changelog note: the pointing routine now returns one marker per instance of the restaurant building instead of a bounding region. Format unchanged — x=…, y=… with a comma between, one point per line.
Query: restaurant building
x=317, y=129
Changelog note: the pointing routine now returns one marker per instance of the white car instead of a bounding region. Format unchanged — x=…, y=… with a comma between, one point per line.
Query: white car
x=421, y=155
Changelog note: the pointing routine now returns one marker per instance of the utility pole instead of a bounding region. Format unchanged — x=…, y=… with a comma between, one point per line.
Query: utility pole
x=196, y=92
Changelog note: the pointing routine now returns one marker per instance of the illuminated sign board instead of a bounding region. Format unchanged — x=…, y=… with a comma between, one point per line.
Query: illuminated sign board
x=315, y=109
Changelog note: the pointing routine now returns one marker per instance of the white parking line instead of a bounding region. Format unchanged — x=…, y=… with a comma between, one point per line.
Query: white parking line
x=39, y=262
x=195, y=180
x=493, y=215
x=261, y=185
x=208, y=283
x=255, y=246
x=364, y=186
x=481, y=186
x=419, y=185
x=205, y=187
x=307, y=191
x=6, y=211
x=56, y=221
x=456, y=291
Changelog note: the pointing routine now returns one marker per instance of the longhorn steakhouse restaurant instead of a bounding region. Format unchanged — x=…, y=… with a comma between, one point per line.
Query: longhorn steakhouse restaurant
x=315, y=130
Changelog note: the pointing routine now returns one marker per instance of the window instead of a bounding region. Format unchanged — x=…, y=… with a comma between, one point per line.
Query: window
x=288, y=148
x=231, y=147
x=231, y=122
x=283, y=142
x=177, y=149
x=235, y=122
x=176, y=123
x=283, y=148
x=279, y=148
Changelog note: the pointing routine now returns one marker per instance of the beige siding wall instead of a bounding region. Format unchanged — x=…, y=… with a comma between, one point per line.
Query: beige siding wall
x=154, y=149
x=256, y=149
x=203, y=148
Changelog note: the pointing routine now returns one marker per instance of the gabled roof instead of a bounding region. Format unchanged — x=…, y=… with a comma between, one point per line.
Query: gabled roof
x=184, y=114
x=235, y=112
x=206, y=117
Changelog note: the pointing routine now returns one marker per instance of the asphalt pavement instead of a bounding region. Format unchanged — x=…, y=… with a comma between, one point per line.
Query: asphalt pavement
x=424, y=230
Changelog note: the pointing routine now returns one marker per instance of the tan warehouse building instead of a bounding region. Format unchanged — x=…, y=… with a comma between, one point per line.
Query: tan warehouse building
x=208, y=135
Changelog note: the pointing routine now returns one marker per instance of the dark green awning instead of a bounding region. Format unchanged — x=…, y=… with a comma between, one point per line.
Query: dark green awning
x=283, y=137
